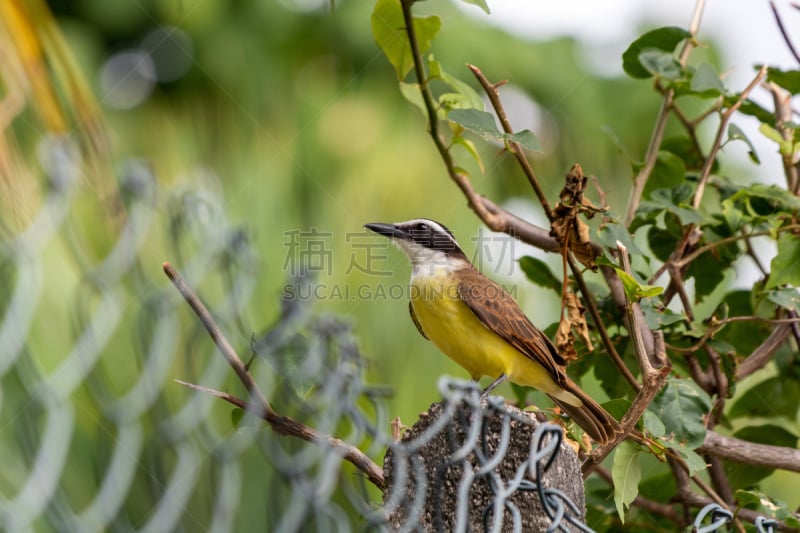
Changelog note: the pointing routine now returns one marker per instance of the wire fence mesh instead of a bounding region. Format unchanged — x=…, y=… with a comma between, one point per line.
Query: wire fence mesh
x=97, y=436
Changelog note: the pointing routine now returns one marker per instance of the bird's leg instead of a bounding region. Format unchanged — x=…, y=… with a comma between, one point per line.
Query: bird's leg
x=501, y=378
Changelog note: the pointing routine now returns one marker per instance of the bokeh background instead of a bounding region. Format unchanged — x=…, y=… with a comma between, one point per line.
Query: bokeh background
x=247, y=143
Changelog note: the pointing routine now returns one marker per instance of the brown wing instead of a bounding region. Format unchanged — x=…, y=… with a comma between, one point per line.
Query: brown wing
x=416, y=322
x=500, y=313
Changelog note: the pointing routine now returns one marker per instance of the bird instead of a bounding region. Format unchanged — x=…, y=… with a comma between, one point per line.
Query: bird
x=480, y=326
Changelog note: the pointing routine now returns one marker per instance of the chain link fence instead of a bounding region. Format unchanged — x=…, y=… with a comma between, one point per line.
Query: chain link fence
x=97, y=436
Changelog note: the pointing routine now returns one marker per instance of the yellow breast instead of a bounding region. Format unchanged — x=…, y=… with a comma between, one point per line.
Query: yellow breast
x=455, y=330
x=452, y=326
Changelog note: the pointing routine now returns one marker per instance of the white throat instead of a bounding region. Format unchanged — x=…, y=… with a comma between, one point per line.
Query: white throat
x=429, y=263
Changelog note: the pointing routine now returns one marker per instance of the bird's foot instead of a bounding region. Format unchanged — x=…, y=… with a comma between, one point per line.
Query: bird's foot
x=500, y=379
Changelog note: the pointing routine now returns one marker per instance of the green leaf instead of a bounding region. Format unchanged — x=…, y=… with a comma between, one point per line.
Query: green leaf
x=787, y=298
x=484, y=124
x=748, y=498
x=744, y=336
x=771, y=133
x=776, y=396
x=661, y=64
x=388, y=30
x=539, y=273
x=785, y=267
x=653, y=425
x=410, y=92
x=480, y=3
x=708, y=271
x=626, y=472
x=681, y=405
x=670, y=170
x=684, y=149
x=672, y=200
x=635, y=290
x=662, y=241
x=694, y=462
x=617, y=407
x=785, y=146
x=477, y=121
x=751, y=109
x=611, y=232
x=735, y=133
x=464, y=96
x=470, y=147
x=237, y=414
x=527, y=139
x=753, y=499
x=520, y=393
x=658, y=318
x=789, y=79
x=765, y=201
x=706, y=81
x=664, y=39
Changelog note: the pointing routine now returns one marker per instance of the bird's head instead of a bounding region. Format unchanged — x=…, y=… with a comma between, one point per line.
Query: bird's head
x=426, y=243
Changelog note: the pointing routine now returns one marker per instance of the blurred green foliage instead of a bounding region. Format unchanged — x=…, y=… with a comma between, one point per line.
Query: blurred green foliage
x=290, y=112
x=299, y=116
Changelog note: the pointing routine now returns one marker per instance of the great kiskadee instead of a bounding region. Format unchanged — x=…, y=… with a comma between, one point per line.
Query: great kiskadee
x=481, y=327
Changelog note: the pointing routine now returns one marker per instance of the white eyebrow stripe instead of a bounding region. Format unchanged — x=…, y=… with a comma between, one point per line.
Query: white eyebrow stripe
x=438, y=228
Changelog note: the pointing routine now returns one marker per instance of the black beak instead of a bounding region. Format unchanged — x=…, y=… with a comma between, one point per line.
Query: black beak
x=387, y=230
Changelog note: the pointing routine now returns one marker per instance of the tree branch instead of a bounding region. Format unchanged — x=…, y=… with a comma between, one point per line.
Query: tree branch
x=258, y=405
x=652, y=379
x=750, y=453
x=763, y=354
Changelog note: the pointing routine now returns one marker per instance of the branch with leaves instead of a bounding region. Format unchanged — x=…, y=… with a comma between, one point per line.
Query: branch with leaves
x=685, y=362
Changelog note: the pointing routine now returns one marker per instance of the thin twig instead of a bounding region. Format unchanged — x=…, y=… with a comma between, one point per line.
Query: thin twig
x=783, y=115
x=716, y=471
x=717, y=325
x=657, y=136
x=516, y=148
x=616, y=358
x=217, y=336
x=258, y=405
x=785, y=35
x=717, y=144
x=636, y=336
x=238, y=402
x=688, y=258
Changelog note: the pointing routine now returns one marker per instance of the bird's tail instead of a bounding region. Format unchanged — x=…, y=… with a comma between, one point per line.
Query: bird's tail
x=590, y=416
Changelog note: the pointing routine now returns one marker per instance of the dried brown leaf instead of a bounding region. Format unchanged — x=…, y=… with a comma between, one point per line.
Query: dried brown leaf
x=576, y=318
